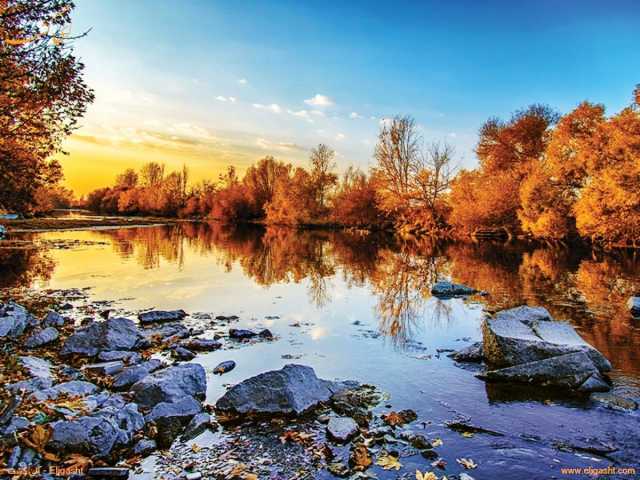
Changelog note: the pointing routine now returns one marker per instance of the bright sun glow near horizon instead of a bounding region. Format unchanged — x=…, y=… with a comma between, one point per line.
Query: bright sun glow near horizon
x=210, y=84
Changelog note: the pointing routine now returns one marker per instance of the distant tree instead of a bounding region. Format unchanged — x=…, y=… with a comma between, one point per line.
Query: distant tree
x=127, y=179
x=322, y=176
x=42, y=96
x=260, y=181
x=152, y=174
x=355, y=201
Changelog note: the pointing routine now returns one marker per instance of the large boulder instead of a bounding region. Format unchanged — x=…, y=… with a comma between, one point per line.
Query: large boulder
x=14, y=319
x=471, y=354
x=171, y=384
x=573, y=371
x=528, y=334
x=112, y=334
x=445, y=289
x=291, y=390
x=97, y=435
x=157, y=316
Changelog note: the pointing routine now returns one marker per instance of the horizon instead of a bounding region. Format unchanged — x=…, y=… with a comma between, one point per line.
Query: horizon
x=209, y=86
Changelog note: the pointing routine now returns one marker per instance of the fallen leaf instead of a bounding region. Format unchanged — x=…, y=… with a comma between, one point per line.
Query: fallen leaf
x=467, y=434
x=195, y=448
x=439, y=463
x=466, y=463
x=437, y=442
x=426, y=475
x=77, y=461
x=360, y=458
x=388, y=462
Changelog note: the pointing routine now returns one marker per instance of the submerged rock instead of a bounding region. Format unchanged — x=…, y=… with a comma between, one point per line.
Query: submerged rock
x=634, y=306
x=471, y=354
x=294, y=389
x=448, y=289
x=573, y=371
x=342, y=429
x=157, y=316
x=224, y=367
x=201, y=345
x=615, y=402
x=527, y=334
x=171, y=384
x=241, y=334
x=112, y=334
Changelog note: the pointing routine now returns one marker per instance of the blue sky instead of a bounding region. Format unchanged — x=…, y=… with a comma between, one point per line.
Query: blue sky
x=212, y=83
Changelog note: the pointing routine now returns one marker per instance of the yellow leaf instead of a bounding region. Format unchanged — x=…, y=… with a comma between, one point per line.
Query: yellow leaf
x=437, y=443
x=195, y=448
x=426, y=475
x=466, y=463
x=467, y=434
x=388, y=462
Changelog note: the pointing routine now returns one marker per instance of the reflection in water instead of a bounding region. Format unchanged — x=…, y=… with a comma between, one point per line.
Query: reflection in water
x=579, y=286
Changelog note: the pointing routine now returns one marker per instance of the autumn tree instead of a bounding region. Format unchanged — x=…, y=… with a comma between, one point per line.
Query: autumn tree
x=260, y=181
x=127, y=179
x=355, y=201
x=42, y=96
x=322, y=175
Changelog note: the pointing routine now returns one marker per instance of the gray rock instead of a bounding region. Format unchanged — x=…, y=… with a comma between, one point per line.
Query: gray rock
x=104, y=368
x=53, y=319
x=182, y=353
x=448, y=289
x=224, y=367
x=201, y=345
x=614, y=402
x=16, y=424
x=131, y=375
x=157, y=316
x=471, y=354
x=74, y=388
x=14, y=319
x=241, y=334
x=99, y=434
x=634, y=306
x=162, y=332
x=197, y=425
x=170, y=418
x=144, y=447
x=42, y=337
x=342, y=429
x=574, y=371
x=265, y=333
x=171, y=384
x=112, y=334
x=527, y=334
x=293, y=389
x=14, y=458
x=36, y=367
x=31, y=385
x=131, y=358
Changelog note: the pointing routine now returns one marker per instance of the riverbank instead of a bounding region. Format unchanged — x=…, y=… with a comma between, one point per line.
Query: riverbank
x=46, y=224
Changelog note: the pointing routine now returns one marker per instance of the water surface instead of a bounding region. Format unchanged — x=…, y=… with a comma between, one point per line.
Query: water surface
x=357, y=306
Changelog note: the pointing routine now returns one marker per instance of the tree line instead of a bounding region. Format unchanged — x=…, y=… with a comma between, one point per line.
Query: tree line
x=540, y=175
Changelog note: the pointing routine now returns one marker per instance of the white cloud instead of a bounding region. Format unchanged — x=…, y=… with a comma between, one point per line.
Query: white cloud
x=317, y=113
x=232, y=99
x=453, y=134
x=269, y=145
x=355, y=115
x=319, y=100
x=340, y=136
x=372, y=117
x=220, y=98
x=301, y=114
x=243, y=81
x=274, y=107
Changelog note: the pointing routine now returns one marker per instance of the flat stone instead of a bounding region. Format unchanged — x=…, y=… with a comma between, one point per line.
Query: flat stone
x=104, y=368
x=158, y=316
x=16, y=424
x=108, y=472
x=108, y=335
x=162, y=332
x=201, y=345
x=74, y=388
x=144, y=447
x=41, y=338
x=528, y=334
x=31, y=385
x=171, y=384
x=224, y=367
x=36, y=367
x=130, y=358
x=342, y=429
x=182, y=353
x=130, y=375
x=448, y=289
x=294, y=389
x=571, y=371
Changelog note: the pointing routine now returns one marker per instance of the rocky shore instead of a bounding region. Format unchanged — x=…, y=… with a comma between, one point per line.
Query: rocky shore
x=97, y=392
